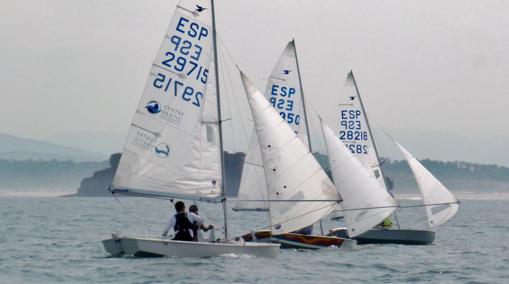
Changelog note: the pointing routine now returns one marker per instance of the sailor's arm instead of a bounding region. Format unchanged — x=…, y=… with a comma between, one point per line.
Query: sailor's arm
x=199, y=221
x=169, y=225
x=193, y=218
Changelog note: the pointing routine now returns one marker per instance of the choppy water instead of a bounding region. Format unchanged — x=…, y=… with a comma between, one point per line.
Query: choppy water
x=49, y=240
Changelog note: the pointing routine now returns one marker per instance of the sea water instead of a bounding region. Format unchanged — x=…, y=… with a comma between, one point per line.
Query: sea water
x=52, y=239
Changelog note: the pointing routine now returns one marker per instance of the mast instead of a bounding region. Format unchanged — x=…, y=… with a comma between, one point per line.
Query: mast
x=302, y=97
x=304, y=109
x=220, y=128
x=371, y=137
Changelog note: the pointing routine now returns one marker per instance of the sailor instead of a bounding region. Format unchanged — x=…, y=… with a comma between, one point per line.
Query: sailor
x=387, y=223
x=197, y=236
x=182, y=223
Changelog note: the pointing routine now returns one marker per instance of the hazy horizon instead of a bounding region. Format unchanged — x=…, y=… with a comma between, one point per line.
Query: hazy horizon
x=80, y=66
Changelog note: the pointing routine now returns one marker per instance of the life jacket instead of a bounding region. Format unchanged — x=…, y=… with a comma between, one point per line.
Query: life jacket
x=182, y=228
x=387, y=223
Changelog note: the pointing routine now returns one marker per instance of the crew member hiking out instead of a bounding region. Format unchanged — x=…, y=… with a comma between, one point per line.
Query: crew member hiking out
x=182, y=223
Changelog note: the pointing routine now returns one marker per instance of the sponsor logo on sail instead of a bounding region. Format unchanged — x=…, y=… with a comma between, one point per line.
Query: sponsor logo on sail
x=162, y=150
x=286, y=71
x=153, y=107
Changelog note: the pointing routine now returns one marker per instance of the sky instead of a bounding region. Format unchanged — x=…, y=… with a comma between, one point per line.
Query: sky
x=80, y=65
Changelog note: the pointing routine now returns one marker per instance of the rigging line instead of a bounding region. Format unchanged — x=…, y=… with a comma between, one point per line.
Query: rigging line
x=229, y=77
x=227, y=51
x=397, y=206
x=291, y=200
x=223, y=66
x=129, y=211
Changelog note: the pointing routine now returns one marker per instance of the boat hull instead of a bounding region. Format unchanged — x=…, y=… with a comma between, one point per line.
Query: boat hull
x=299, y=241
x=390, y=236
x=161, y=247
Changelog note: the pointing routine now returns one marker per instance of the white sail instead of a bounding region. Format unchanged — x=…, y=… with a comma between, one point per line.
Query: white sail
x=173, y=144
x=432, y=191
x=354, y=130
x=359, y=189
x=284, y=93
x=292, y=173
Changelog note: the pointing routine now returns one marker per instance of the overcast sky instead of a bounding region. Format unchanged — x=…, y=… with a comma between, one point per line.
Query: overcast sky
x=81, y=65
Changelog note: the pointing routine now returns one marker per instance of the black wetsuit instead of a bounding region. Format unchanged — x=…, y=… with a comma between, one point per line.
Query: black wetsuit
x=183, y=228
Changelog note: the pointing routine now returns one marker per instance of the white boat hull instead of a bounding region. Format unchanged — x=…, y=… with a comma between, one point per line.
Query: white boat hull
x=160, y=247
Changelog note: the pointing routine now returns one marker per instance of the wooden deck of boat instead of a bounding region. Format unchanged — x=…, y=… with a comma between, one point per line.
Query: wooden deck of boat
x=299, y=241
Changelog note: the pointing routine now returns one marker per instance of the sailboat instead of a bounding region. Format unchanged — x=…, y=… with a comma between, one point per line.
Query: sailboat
x=365, y=202
x=174, y=148
x=440, y=203
x=298, y=192
x=285, y=94
x=355, y=132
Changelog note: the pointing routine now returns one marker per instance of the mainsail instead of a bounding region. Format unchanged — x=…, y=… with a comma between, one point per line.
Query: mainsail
x=441, y=204
x=354, y=130
x=284, y=93
x=365, y=202
x=298, y=190
x=173, y=146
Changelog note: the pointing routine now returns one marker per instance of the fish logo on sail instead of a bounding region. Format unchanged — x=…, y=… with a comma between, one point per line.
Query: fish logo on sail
x=162, y=150
x=286, y=71
x=352, y=98
x=153, y=107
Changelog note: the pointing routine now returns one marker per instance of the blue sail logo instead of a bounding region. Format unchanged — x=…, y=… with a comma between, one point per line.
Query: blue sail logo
x=153, y=107
x=286, y=71
x=162, y=150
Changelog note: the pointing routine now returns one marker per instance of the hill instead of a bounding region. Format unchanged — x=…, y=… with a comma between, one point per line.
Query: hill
x=53, y=176
x=457, y=176
x=19, y=148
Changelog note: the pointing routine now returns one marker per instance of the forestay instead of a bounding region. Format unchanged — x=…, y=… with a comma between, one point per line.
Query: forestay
x=252, y=183
x=433, y=192
x=354, y=129
x=284, y=93
x=292, y=173
x=173, y=146
x=359, y=189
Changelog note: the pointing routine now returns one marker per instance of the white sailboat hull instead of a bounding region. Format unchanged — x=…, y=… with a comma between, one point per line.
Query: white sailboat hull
x=160, y=247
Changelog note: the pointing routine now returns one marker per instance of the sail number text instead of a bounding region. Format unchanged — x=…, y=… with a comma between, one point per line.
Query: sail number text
x=281, y=98
x=351, y=130
x=186, y=58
